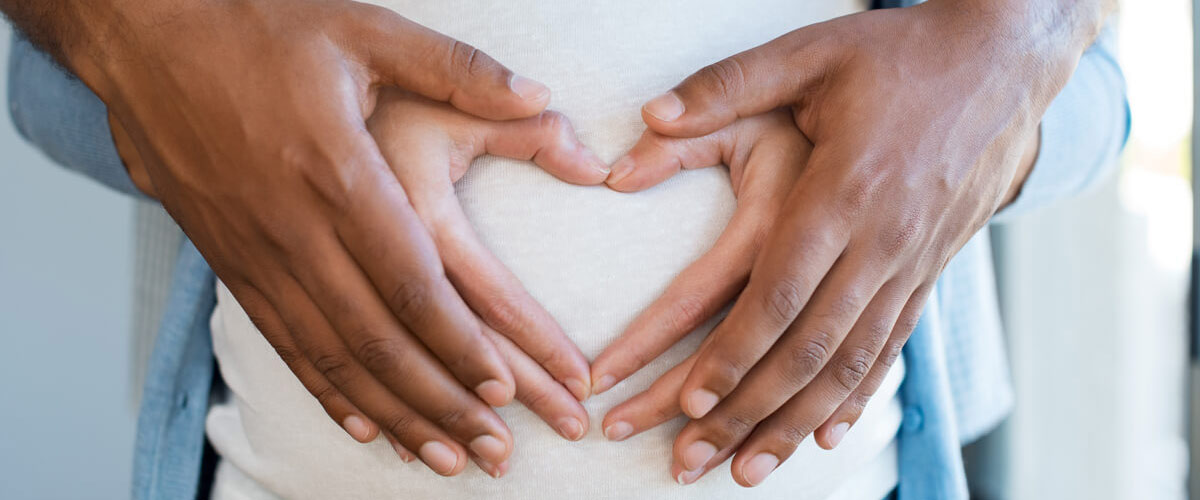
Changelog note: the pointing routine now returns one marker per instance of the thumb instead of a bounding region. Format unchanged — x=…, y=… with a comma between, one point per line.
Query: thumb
x=548, y=140
x=655, y=158
x=749, y=83
x=410, y=56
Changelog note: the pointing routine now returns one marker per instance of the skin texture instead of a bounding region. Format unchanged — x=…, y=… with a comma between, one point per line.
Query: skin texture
x=249, y=119
x=900, y=177
x=431, y=145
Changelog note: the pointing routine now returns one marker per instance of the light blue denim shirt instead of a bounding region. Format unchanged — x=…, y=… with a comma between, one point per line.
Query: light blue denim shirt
x=956, y=386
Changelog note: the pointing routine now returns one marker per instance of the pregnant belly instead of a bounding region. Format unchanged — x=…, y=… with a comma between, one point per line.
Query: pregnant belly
x=594, y=258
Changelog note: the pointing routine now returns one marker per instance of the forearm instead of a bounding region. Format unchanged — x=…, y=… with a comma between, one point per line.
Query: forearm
x=62, y=28
x=94, y=38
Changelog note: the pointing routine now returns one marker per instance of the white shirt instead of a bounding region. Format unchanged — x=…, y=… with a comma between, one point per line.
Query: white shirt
x=593, y=257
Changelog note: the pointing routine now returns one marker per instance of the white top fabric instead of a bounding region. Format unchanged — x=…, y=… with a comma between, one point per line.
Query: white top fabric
x=593, y=257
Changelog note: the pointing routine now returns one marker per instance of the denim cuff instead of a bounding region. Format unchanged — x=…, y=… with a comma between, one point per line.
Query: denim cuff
x=61, y=116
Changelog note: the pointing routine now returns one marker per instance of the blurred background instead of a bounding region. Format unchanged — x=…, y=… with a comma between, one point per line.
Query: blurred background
x=1095, y=294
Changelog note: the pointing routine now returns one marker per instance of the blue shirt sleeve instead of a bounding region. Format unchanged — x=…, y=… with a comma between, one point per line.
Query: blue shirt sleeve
x=58, y=114
x=1083, y=132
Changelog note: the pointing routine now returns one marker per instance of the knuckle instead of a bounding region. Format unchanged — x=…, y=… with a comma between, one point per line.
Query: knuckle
x=379, y=354
x=289, y=354
x=856, y=195
x=730, y=427
x=401, y=424
x=504, y=315
x=851, y=368
x=551, y=359
x=687, y=312
x=536, y=397
x=906, y=325
x=845, y=304
x=858, y=402
x=785, y=298
x=410, y=299
x=902, y=235
x=724, y=372
x=879, y=330
x=334, y=366
x=891, y=351
x=665, y=411
x=452, y=418
x=333, y=176
x=466, y=60
x=325, y=395
x=805, y=359
x=724, y=78
x=792, y=432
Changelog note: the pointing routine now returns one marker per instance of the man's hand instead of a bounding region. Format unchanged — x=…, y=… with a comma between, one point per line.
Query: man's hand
x=924, y=122
x=249, y=117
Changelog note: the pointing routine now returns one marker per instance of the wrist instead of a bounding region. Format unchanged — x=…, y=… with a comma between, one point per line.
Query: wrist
x=109, y=35
x=1069, y=26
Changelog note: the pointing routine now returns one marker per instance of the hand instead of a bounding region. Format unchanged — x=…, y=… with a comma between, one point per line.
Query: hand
x=924, y=122
x=249, y=121
x=766, y=155
x=430, y=146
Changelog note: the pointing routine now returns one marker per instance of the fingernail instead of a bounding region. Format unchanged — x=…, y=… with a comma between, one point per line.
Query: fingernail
x=438, y=457
x=488, y=446
x=837, y=433
x=603, y=384
x=570, y=428
x=757, y=469
x=597, y=164
x=618, y=431
x=700, y=402
x=404, y=455
x=501, y=470
x=494, y=393
x=356, y=427
x=688, y=476
x=529, y=90
x=620, y=169
x=665, y=107
x=487, y=467
x=697, y=454
x=578, y=388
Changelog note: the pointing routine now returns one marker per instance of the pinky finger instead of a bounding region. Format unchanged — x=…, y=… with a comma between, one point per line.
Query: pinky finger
x=830, y=433
x=273, y=328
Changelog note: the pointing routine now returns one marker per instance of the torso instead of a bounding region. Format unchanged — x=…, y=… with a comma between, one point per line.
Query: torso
x=593, y=257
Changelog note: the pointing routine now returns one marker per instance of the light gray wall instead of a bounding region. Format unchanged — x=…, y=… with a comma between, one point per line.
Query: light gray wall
x=66, y=266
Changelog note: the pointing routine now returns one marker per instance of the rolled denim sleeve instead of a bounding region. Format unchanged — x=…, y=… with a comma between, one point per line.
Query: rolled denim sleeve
x=58, y=114
x=1083, y=132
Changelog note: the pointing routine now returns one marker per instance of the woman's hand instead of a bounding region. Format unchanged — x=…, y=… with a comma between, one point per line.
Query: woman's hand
x=924, y=122
x=412, y=395
x=766, y=155
x=248, y=121
x=430, y=145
